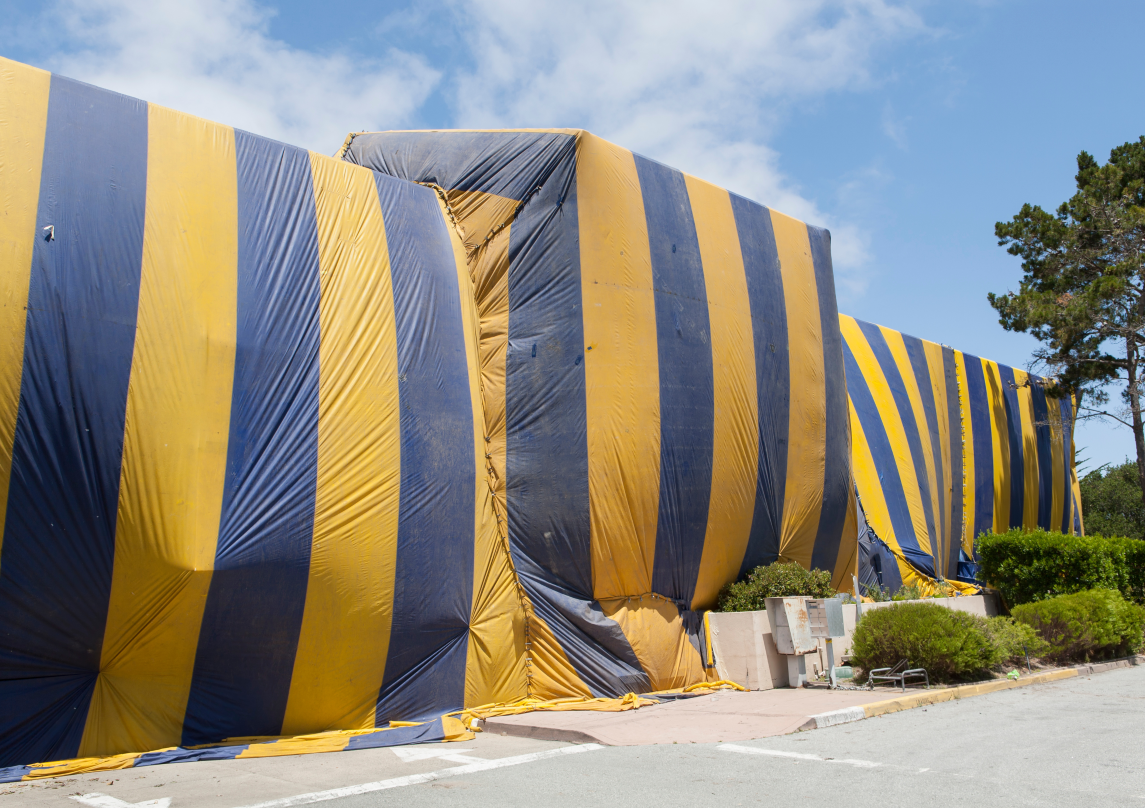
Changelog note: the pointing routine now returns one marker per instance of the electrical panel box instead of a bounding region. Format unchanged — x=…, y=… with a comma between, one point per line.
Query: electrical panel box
x=825, y=617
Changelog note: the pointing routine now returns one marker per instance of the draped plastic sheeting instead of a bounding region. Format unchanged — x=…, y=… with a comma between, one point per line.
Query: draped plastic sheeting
x=290, y=446
x=242, y=484
x=438, y=730
x=947, y=446
x=663, y=389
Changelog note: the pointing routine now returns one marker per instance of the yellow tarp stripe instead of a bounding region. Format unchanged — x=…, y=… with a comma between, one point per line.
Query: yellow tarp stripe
x=807, y=432
x=24, y=109
x=927, y=489
x=345, y=633
x=735, y=438
x=1001, y=443
x=629, y=701
x=969, y=501
x=495, y=660
x=258, y=747
x=1030, y=469
x=175, y=444
x=621, y=368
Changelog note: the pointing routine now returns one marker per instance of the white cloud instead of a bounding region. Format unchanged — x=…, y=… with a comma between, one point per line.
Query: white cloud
x=700, y=86
x=703, y=87
x=894, y=127
x=215, y=58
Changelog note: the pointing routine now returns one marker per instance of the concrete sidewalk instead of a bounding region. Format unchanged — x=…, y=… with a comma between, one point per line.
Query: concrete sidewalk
x=740, y=716
x=722, y=716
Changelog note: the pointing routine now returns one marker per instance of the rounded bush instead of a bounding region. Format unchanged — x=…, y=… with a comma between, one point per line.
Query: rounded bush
x=1085, y=625
x=779, y=580
x=1015, y=640
x=950, y=645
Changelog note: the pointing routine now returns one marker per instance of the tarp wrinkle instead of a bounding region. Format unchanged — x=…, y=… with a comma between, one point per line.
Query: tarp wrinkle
x=303, y=454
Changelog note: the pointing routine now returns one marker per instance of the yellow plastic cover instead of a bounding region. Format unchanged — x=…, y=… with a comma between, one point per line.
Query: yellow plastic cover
x=948, y=446
x=663, y=390
x=241, y=441
x=298, y=451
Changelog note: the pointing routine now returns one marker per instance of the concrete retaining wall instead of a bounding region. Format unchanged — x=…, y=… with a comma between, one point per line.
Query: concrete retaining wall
x=746, y=654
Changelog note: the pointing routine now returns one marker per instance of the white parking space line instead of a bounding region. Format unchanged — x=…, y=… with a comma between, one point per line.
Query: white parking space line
x=456, y=754
x=755, y=750
x=415, y=779
x=97, y=800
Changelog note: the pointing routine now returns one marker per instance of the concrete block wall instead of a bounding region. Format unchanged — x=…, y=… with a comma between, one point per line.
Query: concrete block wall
x=745, y=649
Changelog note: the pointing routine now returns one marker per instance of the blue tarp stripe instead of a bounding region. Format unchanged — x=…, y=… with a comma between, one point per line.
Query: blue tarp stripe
x=772, y=377
x=983, y=444
x=897, y=386
x=1067, y=459
x=183, y=755
x=13, y=774
x=594, y=644
x=546, y=434
x=1044, y=442
x=837, y=484
x=254, y=608
x=433, y=591
x=509, y=164
x=546, y=437
x=1014, y=433
x=398, y=736
x=884, y=458
x=59, y=533
x=686, y=396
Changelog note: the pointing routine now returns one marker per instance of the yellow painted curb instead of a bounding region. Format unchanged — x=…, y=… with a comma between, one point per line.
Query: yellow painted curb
x=951, y=693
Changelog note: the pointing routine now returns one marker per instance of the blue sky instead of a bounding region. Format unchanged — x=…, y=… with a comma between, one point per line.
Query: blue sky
x=908, y=128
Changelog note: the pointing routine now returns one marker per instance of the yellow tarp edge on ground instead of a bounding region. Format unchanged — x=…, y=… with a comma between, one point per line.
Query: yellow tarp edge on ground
x=260, y=747
x=630, y=701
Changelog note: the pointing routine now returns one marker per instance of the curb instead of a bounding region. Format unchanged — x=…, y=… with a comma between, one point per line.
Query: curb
x=927, y=697
x=1102, y=667
x=492, y=725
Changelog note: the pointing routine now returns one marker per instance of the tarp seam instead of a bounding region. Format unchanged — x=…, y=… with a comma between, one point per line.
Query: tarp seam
x=962, y=428
x=501, y=517
x=898, y=554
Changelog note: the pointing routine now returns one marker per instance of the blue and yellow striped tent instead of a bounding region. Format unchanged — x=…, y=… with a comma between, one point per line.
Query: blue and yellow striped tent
x=284, y=452
x=947, y=446
x=663, y=390
x=242, y=485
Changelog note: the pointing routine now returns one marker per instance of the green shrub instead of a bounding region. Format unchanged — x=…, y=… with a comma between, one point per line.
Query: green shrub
x=876, y=592
x=908, y=592
x=1014, y=640
x=1027, y=566
x=880, y=594
x=1085, y=625
x=951, y=645
x=779, y=580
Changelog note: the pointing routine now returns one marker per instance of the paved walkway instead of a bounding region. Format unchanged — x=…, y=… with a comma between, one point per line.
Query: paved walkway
x=723, y=716
x=1067, y=743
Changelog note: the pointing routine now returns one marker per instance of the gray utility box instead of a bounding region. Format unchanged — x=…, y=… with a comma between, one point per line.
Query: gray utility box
x=825, y=616
x=797, y=624
x=791, y=629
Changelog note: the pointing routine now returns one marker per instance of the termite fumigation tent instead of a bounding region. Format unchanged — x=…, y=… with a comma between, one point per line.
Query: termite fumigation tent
x=290, y=445
x=663, y=388
x=257, y=458
x=948, y=446
x=241, y=447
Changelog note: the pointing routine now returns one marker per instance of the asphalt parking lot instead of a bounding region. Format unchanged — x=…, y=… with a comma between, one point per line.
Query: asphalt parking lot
x=1074, y=742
